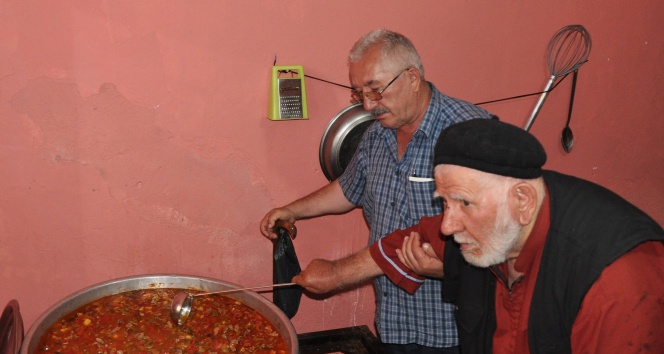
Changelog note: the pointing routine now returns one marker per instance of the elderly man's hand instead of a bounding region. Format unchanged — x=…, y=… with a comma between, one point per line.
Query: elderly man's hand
x=420, y=257
x=319, y=277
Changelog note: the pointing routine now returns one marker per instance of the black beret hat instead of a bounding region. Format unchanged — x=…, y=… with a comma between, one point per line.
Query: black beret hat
x=491, y=146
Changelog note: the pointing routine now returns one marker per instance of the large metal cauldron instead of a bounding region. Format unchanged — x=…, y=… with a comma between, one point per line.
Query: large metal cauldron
x=82, y=297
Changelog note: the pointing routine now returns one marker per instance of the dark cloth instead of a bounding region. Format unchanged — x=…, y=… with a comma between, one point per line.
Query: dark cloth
x=285, y=267
x=590, y=228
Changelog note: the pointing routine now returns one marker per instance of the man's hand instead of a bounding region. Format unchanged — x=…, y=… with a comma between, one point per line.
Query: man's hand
x=330, y=199
x=267, y=224
x=319, y=277
x=322, y=276
x=420, y=257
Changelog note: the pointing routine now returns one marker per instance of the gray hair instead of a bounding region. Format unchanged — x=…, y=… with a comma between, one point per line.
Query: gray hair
x=394, y=46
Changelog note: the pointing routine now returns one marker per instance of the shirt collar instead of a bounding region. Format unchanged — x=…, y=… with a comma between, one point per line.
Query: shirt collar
x=426, y=125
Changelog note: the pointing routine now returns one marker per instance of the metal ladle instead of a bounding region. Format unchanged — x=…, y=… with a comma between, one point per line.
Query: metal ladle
x=182, y=301
x=566, y=137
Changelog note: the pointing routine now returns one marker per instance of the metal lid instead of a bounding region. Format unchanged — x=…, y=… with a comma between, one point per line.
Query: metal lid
x=11, y=329
x=341, y=138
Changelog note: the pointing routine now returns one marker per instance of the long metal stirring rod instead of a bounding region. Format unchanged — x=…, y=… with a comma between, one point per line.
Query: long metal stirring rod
x=243, y=289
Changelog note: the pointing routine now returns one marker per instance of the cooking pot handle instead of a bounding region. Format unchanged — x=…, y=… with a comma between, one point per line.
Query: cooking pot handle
x=286, y=226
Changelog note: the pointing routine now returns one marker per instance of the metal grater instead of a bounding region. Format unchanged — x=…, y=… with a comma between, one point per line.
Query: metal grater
x=288, y=99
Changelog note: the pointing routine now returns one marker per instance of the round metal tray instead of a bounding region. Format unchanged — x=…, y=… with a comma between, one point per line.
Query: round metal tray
x=341, y=138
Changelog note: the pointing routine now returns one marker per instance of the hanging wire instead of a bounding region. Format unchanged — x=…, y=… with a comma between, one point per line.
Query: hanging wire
x=521, y=96
x=329, y=82
x=477, y=104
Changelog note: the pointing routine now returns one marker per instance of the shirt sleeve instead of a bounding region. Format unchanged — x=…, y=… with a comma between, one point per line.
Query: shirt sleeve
x=384, y=253
x=623, y=310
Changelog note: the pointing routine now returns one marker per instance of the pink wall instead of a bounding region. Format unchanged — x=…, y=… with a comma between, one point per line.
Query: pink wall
x=134, y=138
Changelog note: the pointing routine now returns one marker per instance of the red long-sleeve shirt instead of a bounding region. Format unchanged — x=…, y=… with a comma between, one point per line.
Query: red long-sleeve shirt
x=623, y=311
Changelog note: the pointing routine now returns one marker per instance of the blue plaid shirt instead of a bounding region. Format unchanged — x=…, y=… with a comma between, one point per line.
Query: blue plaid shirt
x=377, y=181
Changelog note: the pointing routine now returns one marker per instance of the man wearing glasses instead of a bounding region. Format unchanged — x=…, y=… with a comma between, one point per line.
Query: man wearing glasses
x=390, y=178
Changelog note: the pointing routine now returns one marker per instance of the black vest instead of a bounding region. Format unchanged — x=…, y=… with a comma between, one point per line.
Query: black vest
x=590, y=228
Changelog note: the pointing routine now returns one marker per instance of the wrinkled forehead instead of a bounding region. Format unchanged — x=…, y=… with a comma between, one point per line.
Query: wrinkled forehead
x=460, y=180
x=451, y=177
x=446, y=175
x=453, y=171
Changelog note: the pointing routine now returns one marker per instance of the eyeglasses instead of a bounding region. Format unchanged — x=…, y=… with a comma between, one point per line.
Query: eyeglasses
x=374, y=95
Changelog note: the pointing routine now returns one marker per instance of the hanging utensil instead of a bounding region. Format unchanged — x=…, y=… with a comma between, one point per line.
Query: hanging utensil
x=568, y=49
x=566, y=137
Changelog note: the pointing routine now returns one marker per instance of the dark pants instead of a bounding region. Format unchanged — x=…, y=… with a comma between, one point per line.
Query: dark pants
x=417, y=349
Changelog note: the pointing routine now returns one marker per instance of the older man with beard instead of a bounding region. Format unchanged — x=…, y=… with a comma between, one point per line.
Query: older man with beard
x=538, y=261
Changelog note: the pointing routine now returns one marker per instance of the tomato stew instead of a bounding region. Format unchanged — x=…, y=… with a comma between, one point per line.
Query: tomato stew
x=138, y=322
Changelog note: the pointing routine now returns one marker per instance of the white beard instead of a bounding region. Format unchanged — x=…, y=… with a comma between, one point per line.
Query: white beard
x=503, y=237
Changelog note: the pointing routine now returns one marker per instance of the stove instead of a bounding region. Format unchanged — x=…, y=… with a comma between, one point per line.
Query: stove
x=348, y=340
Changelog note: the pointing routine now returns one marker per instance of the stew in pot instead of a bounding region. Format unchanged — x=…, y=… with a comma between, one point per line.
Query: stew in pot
x=138, y=322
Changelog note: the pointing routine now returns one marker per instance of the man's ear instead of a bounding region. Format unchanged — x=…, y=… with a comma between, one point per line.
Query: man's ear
x=414, y=77
x=526, y=198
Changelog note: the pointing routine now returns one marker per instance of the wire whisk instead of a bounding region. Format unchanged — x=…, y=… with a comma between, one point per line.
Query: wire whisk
x=568, y=49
